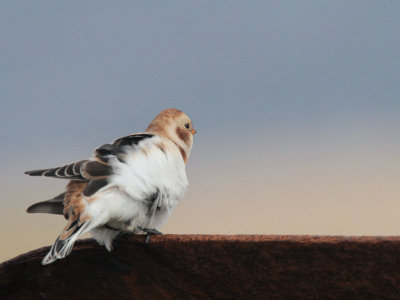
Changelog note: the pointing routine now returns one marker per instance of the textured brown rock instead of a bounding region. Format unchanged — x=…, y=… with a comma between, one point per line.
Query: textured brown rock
x=205, y=266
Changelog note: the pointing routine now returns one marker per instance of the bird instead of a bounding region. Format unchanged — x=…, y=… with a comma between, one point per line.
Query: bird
x=130, y=185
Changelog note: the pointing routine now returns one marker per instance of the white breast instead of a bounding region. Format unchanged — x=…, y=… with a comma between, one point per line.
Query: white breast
x=145, y=171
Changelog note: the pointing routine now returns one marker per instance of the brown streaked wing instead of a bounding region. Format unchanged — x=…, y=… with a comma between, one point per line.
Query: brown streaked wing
x=52, y=206
x=95, y=170
x=93, y=187
x=61, y=172
x=131, y=140
x=73, y=196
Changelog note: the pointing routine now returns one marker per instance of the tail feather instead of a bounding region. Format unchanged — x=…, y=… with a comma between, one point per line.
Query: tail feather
x=52, y=206
x=63, y=246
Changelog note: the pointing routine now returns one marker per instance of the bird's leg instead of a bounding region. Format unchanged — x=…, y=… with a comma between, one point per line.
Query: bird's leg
x=149, y=232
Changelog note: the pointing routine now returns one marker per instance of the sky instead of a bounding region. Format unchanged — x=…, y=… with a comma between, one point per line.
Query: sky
x=296, y=104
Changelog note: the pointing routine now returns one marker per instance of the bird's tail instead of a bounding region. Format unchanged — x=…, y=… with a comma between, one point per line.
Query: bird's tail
x=65, y=241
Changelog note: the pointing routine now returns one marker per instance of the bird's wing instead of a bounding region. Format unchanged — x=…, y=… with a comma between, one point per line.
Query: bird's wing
x=71, y=171
x=52, y=206
x=83, y=170
x=116, y=148
x=96, y=171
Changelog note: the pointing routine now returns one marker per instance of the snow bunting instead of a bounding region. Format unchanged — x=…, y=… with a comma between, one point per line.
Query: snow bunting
x=130, y=185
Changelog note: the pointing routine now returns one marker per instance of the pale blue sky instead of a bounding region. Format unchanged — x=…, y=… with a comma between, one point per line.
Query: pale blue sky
x=273, y=87
x=71, y=67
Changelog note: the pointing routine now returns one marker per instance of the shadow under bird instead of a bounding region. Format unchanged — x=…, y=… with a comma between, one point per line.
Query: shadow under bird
x=131, y=185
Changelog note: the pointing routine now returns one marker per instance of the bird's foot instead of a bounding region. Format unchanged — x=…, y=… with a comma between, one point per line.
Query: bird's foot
x=150, y=232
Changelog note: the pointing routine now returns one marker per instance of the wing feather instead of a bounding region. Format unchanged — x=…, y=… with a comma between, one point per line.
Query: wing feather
x=93, y=187
x=62, y=172
x=52, y=206
x=99, y=168
x=94, y=170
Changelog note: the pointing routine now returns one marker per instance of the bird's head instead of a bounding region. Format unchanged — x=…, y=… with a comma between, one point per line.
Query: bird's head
x=175, y=125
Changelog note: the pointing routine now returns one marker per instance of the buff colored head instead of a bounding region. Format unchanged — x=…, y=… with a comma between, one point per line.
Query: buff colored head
x=175, y=125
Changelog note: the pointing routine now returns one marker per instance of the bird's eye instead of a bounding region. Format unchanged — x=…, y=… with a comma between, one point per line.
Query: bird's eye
x=187, y=125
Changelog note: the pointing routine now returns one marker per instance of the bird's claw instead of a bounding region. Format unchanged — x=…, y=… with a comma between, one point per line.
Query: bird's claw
x=150, y=232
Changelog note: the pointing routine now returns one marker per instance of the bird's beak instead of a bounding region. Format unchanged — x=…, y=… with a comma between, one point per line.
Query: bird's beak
x=193, y=131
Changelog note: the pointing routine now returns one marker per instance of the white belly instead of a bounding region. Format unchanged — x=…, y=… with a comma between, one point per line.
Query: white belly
x=125, y=203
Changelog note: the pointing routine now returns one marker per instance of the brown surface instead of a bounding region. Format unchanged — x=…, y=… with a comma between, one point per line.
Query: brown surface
x=205, y=266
